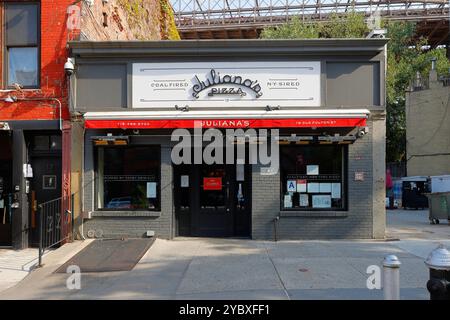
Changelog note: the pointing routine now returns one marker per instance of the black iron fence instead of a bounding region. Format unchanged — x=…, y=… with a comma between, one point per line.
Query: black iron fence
x=55, y=225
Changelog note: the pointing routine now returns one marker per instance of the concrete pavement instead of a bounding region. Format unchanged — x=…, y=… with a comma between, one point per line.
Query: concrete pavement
x=202, y=268
x=15, y=265
x=414, y=224
x=236, y=269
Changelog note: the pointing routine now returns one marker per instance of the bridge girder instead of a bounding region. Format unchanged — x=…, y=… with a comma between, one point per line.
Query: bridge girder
x=236, y=19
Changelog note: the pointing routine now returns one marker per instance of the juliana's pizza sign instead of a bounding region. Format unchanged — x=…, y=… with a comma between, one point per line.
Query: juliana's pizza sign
x=226, y=84
x=218, y=84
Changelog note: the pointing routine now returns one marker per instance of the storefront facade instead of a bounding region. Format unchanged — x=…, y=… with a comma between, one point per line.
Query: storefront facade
x=256, y=139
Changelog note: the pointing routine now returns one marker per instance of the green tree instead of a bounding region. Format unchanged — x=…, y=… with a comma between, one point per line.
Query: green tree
x=405, y=57
x=294, y=29
x=351, y=25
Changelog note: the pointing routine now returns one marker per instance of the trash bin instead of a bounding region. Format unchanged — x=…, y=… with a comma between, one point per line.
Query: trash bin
x=413, y=192
x=439, y=206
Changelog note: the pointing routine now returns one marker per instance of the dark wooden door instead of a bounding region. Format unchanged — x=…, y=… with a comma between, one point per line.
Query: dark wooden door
x=183, y=199
x=5, y=189
x=214, y=212
x=212, y=200
x=45, y=186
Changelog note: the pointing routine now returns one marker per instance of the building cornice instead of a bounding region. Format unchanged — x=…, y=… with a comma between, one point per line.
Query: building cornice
x=227, y=47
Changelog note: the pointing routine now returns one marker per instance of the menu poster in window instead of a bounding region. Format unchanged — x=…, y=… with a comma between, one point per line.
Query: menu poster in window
x=312, y=170
x=301, y=185
x=313, y=187
x=336, y=190
x=288, y=201
x=325, y=187
x=304, y=200
x=291, y=185
x=321, y=201
x=151, y=190
x=240, y=172
x=184, y=181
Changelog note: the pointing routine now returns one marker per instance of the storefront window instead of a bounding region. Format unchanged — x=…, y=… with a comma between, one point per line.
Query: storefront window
x=128, y=178
x=313, y=177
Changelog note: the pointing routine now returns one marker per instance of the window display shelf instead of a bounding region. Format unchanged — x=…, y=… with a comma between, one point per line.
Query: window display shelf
x=126, y=214
x=314, y=214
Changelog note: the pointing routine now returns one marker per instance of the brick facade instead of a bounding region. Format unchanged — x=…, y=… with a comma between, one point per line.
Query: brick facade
x=358, y=222
x=53, y=83
x=41, y=108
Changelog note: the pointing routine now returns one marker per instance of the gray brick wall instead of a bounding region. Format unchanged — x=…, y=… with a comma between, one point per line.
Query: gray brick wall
x=357, y=222
x=125, y=224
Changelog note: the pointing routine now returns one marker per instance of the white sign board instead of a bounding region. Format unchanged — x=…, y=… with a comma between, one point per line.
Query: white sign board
x=321, y=201
x=151, y=189
x=226, y=84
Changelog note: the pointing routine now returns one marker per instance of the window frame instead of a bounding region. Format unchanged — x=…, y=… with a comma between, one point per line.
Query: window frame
x=6, y=48
x=97, y=179
x=344, y=181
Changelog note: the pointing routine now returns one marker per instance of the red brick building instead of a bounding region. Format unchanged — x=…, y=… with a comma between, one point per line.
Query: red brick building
x=35, y=127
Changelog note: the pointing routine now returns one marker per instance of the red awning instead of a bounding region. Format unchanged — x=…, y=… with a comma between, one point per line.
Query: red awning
x=224, y=123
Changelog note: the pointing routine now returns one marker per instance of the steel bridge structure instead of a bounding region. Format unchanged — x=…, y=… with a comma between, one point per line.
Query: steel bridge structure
x=244, y=19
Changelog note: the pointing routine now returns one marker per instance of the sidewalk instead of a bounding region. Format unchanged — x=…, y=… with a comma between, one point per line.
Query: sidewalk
x=414, y=225
x=205, y=268
x=202, y=268
x=15, y=265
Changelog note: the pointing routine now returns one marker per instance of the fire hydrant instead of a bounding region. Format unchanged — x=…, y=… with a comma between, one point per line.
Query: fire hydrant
x=439, y=264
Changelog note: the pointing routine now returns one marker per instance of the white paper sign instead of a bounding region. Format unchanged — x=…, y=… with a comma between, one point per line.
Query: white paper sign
x=27, y=171
x=226, y=84
x=313, y=187
x=288, y=201
x=184, y=181
x=304, y=200
x=291, y=185
x=240, y=172
x=2, y=204
x=151, y=189
x=312, y=170
x=301, y=186
x=325, y=187
x=321, y=201
x=336, y=190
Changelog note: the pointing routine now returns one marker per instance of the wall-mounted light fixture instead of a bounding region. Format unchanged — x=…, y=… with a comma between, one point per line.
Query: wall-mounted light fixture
x=4, y=126
x=293, y=138
x=110, y=140
x=185, y=108
x=336, y=139
x=10, y=99
x=272, y=108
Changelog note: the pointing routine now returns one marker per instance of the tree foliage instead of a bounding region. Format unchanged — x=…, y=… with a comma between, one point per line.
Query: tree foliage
x=350, y=26
x=405, y=57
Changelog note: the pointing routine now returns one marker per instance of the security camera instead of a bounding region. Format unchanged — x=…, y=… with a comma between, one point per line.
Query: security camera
x=69, y=67
x=362, y=132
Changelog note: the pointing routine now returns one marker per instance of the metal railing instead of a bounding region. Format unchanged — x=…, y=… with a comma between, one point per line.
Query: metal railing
x=55, y=225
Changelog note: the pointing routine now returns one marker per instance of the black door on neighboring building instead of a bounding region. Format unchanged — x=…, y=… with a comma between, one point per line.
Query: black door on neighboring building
x=5, y=188
x=45, y=159
x=212, y=200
